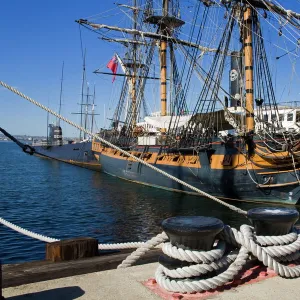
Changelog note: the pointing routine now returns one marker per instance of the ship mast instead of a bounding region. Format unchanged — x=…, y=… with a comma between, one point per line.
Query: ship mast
x=248, y=52
x=93, y=109
x=82, y=93
x=163, y=65
x=133, y=91
x=61, y=91
x=86, y=109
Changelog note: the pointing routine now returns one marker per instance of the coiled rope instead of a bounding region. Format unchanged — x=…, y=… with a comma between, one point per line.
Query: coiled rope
x=224, y=265
x=232, y=207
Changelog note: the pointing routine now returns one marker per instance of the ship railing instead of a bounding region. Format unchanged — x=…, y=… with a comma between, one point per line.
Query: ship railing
x=47, y=144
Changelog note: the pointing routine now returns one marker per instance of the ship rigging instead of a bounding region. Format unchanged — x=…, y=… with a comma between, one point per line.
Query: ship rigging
x=220, y=134
x=232, y=138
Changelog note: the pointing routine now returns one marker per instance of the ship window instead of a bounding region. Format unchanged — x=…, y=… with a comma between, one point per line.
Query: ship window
x=273, y=117
x=298, y=116
x=281, y=117
x=266, y=118
x=290, y=117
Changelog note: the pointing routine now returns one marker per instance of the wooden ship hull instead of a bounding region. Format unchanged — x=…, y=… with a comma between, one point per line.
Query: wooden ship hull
x=223, y=172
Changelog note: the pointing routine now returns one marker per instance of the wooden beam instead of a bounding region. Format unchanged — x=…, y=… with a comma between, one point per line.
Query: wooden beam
x=123, y=41
x=36, y=271
x=124, y=75
x=267, y=5
x=152, y=35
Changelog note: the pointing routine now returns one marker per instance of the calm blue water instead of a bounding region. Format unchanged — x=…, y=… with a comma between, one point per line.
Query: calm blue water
x=63, y=201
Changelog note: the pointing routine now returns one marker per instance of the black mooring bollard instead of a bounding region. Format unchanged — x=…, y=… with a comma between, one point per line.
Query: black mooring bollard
x=273, y=220
x=193, y=233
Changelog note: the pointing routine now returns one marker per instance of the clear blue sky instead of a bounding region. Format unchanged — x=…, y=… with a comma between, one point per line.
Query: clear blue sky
x=37, y=36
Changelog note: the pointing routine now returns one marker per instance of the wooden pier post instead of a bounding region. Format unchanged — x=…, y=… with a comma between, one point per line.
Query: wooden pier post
x=72, y=249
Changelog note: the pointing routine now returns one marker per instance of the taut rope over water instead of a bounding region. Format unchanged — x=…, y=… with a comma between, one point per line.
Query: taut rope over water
x=43, y=238
x=232, y=207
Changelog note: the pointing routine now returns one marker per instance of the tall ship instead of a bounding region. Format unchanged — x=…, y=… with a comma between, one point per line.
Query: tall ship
x=200, y=99
x=220, y=126
x=78, y=151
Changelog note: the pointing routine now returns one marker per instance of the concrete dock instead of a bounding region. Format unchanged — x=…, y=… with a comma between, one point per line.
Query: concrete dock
x=128, y=284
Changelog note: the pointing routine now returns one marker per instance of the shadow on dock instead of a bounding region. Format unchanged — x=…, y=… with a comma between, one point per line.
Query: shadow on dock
x=36, y=271
x=65, y=293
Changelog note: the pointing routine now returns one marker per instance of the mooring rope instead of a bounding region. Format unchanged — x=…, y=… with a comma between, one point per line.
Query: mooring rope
x=270, y=250
x=26, y=232
x=232, y=207
x=135, y=255
x=43, y=238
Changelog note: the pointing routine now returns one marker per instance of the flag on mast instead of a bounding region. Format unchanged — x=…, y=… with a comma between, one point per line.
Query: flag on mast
x=113, y=66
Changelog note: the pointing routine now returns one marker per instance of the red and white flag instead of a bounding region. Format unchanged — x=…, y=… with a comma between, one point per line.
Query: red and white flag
x=113, y=66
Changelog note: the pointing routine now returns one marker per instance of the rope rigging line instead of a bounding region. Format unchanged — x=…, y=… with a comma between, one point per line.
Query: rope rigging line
x=232, y=207
x=178, y=78
x=47, y=239
x=209, y=91
x=243, y=26
x=130, y=114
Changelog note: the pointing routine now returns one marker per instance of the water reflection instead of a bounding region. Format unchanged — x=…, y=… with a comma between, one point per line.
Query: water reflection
x=64, y=201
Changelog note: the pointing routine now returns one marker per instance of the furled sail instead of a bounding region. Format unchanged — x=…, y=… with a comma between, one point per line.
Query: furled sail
x=166, y=121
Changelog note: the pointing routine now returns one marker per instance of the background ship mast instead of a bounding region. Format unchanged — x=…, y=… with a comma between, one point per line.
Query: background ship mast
x=133, y=81
x=82, y=88
x=61, y=90
x=163, y=64
x=240, y=30
x=248, y=52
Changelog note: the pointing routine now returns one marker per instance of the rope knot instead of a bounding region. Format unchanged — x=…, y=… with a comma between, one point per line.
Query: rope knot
x=189, y=271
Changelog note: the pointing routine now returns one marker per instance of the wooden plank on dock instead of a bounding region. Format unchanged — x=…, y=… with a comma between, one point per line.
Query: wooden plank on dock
x=72, y=249
x=30, y=272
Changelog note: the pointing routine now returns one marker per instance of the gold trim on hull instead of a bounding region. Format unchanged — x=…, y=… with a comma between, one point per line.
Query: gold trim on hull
x=92, y=166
